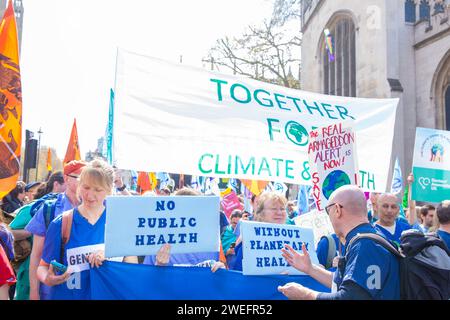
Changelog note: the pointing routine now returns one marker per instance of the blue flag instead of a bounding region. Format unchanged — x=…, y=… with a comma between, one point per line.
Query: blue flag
x=197, y=183
x=303, y=199
x=397, y=180
x=127, y=281
x=134, y=177
x=233, y=184
x=164, y=179
x=109, y=129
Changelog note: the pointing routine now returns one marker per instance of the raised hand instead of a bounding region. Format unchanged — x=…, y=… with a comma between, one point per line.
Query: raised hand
x=300, y=261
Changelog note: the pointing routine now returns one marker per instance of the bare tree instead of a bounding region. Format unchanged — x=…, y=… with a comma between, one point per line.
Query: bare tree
x=268, y=52
x=286, y=10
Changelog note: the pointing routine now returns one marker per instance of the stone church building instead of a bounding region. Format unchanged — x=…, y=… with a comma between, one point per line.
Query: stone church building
x=383, y=49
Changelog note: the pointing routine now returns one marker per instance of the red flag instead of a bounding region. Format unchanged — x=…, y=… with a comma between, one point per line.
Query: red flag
x=73, y=149
x=10, y=103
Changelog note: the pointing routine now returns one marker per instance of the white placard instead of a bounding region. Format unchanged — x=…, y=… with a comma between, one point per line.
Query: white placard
x=262, y=244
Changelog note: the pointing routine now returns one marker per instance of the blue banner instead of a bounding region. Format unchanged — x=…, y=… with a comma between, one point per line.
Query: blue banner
x=124, y=281
x=397, y=180
x=303, y=199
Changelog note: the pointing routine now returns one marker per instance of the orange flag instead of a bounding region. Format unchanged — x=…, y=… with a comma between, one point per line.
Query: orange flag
x=143, y=182
x=49, y=160
x=73, y=149
x=255, y=186
x=146, y=181
x=10, y=103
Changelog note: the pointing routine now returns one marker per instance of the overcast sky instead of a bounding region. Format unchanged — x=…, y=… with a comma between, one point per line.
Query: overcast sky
x=69, y=51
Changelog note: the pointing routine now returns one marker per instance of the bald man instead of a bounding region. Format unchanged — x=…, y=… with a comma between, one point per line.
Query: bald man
x=368, y=271
x=389, y=223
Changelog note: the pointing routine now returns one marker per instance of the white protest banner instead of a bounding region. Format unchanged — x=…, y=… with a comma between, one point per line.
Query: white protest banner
x=318, y=221
x=141, y=225
x=262, y=244
x=332, y=158
x=431, y=165
x=193, y=121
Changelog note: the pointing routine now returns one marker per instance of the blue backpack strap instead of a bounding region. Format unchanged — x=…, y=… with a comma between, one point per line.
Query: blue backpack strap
x=378, y=239
x=49, y=211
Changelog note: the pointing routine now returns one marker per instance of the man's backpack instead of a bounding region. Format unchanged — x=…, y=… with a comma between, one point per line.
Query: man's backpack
x=22, y=248
x=48, y=203
x=424, y=262
x=331, y=253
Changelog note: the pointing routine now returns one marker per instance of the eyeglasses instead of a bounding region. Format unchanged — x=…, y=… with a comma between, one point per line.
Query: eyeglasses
x=330, y=205
x=73, y=176
x=276, y=209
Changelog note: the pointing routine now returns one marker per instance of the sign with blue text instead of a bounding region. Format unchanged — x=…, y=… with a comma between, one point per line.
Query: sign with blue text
x=262, y=243
x=141, y=225
x=431, y=165
x=189, y=111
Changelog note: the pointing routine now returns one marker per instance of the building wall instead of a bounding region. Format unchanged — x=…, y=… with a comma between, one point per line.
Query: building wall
x=432, y=47
x=401, y=65
x=370, y=41
x=386, y=47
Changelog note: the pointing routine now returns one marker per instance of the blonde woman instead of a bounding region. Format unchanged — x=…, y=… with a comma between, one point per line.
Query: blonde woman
x=271, y=208
x=76, y=238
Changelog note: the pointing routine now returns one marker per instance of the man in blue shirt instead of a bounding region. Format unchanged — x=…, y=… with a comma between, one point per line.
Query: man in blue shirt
x=389, y=224
x=443, y=214
x=37, y=227
x=369, y=271
x=373, y=212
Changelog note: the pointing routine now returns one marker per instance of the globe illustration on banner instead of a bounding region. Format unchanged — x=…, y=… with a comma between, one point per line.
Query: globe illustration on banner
x=437, y=152
x=296, y=133
x=333, y=181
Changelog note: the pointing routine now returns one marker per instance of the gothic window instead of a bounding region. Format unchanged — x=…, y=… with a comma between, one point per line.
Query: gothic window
x=424, y=10
x=410, y=11
x=339, y=74
x=447, y=108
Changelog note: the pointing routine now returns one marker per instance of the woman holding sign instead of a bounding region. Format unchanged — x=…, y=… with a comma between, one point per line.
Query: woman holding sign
x=271, y=208
x=75, y=239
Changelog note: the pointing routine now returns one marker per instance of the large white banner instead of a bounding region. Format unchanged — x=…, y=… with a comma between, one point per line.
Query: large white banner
x=175, y=118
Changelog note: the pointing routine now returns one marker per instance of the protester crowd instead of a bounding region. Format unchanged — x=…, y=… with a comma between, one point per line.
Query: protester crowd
x=40, y=221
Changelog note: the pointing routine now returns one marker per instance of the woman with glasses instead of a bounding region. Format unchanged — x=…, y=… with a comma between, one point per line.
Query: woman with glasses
x=271, y=208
